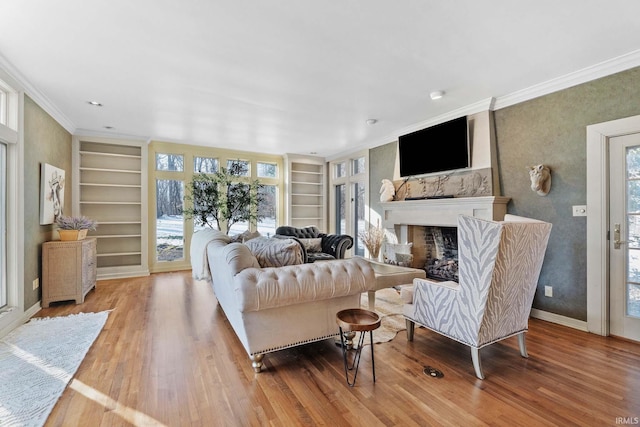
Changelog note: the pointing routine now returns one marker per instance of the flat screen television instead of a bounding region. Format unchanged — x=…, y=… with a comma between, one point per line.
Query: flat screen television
x=439, y=148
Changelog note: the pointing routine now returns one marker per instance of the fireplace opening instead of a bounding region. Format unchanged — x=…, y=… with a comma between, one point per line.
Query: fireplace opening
x=441, y=252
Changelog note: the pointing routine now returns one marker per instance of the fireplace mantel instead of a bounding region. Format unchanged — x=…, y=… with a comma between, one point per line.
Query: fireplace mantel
x=442, y=212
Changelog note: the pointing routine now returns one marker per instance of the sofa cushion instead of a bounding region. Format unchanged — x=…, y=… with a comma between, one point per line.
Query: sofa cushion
x=275, y=252
x=313, y=244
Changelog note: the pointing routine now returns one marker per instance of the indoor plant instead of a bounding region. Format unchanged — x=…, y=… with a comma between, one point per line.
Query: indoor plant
x=75, y=227
x=224, y=198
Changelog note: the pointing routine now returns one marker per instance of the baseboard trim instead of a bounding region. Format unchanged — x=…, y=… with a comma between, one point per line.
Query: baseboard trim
x=559, y=319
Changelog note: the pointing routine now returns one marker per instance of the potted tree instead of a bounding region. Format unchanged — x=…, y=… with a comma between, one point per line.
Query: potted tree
x=75, y=227
x=224, y=198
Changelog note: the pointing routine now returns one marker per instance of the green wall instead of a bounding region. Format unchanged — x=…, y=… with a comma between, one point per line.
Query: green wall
x=550, y=129
x=45, y=141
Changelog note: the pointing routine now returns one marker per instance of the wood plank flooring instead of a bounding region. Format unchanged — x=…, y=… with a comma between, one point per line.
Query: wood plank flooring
x=168, y=357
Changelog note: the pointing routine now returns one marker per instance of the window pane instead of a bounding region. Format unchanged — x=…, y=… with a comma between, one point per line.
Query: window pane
x=240, y=167
x=359, y=213
x=169, y=162
x=169, y=220
x=205, y=165
x=267, y=170
x=358, y=166
x=267, y=209
x=340, y=208
x=3, y=225
x=340, y=170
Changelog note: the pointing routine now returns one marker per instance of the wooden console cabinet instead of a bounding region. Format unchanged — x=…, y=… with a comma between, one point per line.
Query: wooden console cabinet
x=68, y=270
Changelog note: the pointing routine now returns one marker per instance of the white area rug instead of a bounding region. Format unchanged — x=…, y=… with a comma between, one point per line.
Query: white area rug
x=389, y=307
x=37, y=361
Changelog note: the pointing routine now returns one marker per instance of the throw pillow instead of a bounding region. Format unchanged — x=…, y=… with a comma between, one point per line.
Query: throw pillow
x=275, y=252
x=312, y=245
x=244, y=236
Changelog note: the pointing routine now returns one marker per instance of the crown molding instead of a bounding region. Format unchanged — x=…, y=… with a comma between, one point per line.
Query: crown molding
x=37, y=96
x=602, y=69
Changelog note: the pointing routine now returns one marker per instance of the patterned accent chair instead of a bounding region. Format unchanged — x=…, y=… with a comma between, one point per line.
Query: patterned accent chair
x=499, y=267
x=331, y=246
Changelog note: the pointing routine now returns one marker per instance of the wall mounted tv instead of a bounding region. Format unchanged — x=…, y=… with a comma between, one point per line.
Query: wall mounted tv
x=439, y=148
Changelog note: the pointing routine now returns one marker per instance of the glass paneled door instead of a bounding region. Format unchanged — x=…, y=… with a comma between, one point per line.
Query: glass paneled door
x=349, y=179
x=624, y=232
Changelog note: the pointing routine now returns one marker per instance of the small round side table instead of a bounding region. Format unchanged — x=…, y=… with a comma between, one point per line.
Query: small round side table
x=354, y=320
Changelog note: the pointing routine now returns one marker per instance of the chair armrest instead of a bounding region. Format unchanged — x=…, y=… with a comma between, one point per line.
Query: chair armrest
x=336, y=244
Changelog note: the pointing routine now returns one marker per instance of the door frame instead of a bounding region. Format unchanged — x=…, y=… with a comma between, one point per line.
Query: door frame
x=598, y=136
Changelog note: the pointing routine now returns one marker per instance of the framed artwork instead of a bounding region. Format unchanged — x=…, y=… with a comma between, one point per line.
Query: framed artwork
x=52, y=193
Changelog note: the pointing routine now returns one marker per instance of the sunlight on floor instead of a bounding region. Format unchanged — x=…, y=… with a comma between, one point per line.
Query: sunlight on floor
x=128, y=414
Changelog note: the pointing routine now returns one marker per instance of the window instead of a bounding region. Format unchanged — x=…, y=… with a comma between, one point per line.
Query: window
x=169, y=220
x=11, y=208
x=243, y=166
x=169, y=162
x=172, y=168
x=3, y=224
x=268, y=209
x=357, y=165
x=169, y=200
x=340, y=170
x=267, y=170
x=205, y=164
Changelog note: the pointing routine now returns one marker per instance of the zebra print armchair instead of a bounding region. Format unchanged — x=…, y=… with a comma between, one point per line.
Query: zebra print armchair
x=499, y=267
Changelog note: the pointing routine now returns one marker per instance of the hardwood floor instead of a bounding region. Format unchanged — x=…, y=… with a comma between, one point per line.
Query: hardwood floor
x=167, y=356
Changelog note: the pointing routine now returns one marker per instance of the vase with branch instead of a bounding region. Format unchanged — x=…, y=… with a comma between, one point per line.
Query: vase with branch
x=372, y=238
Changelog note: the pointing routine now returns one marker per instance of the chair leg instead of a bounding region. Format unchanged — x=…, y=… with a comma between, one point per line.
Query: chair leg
x=477, y=365
x=410, y=328
x=522, y=344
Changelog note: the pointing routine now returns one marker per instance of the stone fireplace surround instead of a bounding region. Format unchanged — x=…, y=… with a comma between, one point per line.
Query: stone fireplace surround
x=409, y=219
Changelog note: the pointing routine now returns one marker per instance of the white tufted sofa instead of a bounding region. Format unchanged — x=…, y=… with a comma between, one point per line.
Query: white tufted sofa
x=275, y=308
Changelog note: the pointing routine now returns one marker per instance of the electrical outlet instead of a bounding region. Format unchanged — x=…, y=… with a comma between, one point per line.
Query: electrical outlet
x=548, y=291
x=36, y=283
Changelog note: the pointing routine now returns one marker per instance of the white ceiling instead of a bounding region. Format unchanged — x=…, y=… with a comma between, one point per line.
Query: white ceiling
x=301, y=76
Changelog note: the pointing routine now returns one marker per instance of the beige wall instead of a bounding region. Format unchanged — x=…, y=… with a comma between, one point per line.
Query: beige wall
x=45, y=141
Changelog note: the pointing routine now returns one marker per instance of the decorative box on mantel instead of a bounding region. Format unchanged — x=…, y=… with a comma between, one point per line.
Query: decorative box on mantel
x=440, y=212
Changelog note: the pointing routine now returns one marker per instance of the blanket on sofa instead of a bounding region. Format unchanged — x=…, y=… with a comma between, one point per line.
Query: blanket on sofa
x=199, y=259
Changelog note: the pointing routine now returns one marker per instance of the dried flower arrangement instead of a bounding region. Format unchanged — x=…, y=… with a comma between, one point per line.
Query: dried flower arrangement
x=76, y=223
x=373, y=239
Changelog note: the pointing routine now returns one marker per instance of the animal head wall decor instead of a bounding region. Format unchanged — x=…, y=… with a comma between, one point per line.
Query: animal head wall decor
x=540, y=179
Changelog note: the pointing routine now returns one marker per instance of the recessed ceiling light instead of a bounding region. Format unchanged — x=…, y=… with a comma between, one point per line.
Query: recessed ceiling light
x=108, y=127
x=372, y=121
x=94, y=103
x=436, y=94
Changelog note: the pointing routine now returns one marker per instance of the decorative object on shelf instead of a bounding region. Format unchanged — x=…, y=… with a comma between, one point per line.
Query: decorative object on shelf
x=540, y=176
x=464, y=183
x=222, y=199
x=387, y=191
x=75, y=227
x=373, y=239
x=52, y=197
